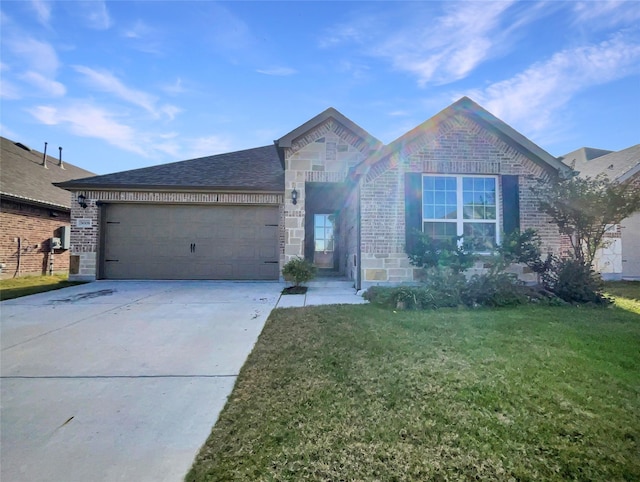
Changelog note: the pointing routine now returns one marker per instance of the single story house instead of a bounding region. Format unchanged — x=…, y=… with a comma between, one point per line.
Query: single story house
x=327, y=191
x=620, y=258
x=33, y=210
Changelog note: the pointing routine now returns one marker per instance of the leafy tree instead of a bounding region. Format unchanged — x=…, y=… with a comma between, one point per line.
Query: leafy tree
x=583, y=209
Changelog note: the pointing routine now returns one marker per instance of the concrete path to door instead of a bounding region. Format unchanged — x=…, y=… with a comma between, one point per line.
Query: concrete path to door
x=121, y=381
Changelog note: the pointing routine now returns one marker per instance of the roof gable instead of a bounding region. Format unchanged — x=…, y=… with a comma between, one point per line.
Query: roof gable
x=255, y=169
x=359, y=137
x=25, y=178
x=409, y=142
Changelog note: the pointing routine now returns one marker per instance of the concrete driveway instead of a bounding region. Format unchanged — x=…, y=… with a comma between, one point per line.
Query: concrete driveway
x=121, y=380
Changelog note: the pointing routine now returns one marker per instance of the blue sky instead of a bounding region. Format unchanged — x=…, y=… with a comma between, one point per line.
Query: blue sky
x=121, y=85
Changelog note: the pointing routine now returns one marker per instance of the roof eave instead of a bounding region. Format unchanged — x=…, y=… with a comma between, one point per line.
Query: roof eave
x=36, y=202
x=162, y=187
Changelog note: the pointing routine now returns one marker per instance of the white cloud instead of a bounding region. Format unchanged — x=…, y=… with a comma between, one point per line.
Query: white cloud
x=107, y=82
x=43, y=11
x=606, y=13
x=207, y=146
x=87, y=120
x=94, y=13
x=533, y=98
x=438, y=47
x=171, y=111
x=278, y=71
x=39, y=56
x=451, y=46
x=44, y=84
x=175, y=88
x=9, y=90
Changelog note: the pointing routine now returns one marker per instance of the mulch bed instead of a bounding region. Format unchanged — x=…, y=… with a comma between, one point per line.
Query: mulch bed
x=294, y=290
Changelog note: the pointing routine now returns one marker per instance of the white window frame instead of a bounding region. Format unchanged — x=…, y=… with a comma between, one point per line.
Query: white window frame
x=460, y=221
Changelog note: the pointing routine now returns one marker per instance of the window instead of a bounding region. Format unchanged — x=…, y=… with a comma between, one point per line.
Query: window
x=323, y=232
x=461, y=206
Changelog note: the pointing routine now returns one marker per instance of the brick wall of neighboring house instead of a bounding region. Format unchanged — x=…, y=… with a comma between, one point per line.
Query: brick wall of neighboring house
x=31, y=227
x=85, y=240
x=324, y=155
x=459, y=146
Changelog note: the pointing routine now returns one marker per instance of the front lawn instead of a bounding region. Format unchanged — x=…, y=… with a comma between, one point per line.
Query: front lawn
x=362, y=393
x=29, y=285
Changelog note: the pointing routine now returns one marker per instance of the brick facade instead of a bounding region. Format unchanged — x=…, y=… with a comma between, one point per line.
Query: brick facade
x=25, y=239
x=457, y=146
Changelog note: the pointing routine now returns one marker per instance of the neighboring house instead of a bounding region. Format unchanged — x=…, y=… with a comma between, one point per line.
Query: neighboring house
x=620, y=258
x=33, y=210
x=328, y=191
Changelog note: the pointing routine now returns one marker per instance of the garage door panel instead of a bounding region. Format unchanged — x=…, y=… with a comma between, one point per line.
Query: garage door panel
x=190, y=242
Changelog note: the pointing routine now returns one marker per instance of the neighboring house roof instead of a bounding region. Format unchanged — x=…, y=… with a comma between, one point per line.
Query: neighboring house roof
x=583, y=154
x=257, y=169
x=370, y=142
x=470, y=109
x=24, y=178
x=618, y=166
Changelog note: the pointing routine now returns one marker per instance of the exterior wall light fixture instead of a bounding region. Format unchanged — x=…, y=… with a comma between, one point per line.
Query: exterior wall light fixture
x=294, y=196
x=82, y=201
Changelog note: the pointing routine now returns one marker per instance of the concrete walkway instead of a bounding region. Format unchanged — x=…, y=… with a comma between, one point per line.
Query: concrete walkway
x=323, y=292
x=124, y=380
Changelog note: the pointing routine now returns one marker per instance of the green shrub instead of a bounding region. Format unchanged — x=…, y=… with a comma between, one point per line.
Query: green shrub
x=442, y=253
x=495, y=290
x=575, y=282
x=298, y=271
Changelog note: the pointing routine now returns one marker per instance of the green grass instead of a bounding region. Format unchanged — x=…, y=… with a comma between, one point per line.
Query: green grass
x=361, y=393
x=625, y=293
x=29, y=285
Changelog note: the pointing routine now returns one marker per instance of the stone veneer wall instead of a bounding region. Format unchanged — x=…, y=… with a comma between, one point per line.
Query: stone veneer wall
x=324, y=154
x=85, y=240
x=34, y=227
x=459, y=146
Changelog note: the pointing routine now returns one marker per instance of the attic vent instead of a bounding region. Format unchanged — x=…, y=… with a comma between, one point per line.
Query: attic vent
x=22, y=146
x=610, y=167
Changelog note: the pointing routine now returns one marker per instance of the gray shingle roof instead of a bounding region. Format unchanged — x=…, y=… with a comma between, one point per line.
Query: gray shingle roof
x=618, y=166
x=582, y=155
x=23, y=177
x=257, y=169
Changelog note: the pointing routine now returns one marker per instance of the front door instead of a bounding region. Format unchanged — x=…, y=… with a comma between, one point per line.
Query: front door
x=324, y=242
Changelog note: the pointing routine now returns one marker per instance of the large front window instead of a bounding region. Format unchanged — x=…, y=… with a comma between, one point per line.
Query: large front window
x=461, y=206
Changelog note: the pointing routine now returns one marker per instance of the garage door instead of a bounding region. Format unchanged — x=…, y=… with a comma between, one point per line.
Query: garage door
x=190, y=242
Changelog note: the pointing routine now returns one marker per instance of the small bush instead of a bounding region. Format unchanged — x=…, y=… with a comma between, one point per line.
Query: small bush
x=298, y=271
x=442, y=253
x=575, y=282
x=495, y=290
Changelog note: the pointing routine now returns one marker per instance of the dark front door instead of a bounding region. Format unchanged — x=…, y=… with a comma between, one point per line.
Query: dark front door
x=323, y=244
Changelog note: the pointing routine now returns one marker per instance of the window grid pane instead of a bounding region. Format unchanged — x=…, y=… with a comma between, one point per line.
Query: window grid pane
x=479, y=198
x=458, y=199
x=439, y=199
